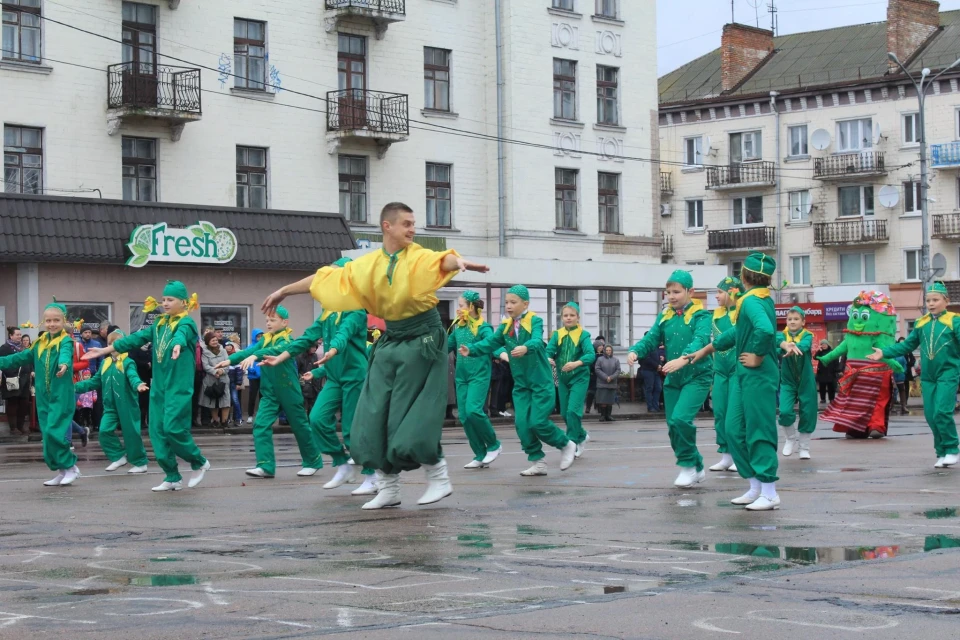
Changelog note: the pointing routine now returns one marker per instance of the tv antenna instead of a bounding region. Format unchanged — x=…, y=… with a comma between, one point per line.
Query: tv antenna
x=772, y=10
x=756, y=9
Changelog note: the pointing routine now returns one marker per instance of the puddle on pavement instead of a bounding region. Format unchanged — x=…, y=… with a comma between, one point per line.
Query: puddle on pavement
x=937, y=514
x=173, y=580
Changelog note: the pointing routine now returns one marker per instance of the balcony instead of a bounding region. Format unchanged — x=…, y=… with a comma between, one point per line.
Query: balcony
x=380, y=13
x=946, y=226
x=666, y=183
x=666, y=247
x=741, y=176
x=138, y=92
x=372, y=115
x=945, y=156
x=850, y=232
x=865, y=164
x=741, y=240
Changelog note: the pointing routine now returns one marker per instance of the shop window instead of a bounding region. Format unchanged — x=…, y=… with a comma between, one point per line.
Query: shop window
x=90, y=312
x=249, y=54
x=251, y=178
x=228, y=318
x=140, y=319
x=610, y=316
x=139, y=169
x=22, y=160
x=21, y=30
x=353, y=188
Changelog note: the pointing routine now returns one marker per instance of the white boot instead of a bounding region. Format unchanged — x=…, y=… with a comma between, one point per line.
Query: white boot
x=474, y=464
x=257, y=472
x=56, y=480
x=732, y=468
x=345, y=473
x=751, y=495
x=389, y=495
x=69, y=476
x=689, y=476
x=539, y=468
x=113, y=466
x=141, y=469
x=578, y=452
x=567, y=455
x=438, y=483
x=168, y=486
x=306, y=472
x=492, y=455
x=197, y=476
x=768, y=500
x=725, y=463
x=937, y=465
x=804, y=442
x=790, y=444
x=369, y=486
x=950, y=459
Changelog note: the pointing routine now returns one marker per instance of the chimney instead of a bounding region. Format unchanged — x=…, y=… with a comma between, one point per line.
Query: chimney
x=742, y=49
x=909, y=24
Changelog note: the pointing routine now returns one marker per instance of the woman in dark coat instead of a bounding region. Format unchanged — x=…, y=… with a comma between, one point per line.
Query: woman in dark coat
x=827, y=374
x=607, y=369
x=15, y=385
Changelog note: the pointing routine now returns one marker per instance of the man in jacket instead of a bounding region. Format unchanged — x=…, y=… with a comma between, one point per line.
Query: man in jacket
x=15, y=385
x=652, y=383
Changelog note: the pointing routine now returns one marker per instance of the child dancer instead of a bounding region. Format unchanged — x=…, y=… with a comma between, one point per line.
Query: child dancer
x=473, y=380
x=937, y=334
x=118, y=383
x=533, y=390
x=724, y=367
x=572, y=350
x=174, y=338
x=682, y=328
x=797, y=383
x=52, y=359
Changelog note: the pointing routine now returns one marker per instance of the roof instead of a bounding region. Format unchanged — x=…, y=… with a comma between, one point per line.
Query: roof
x=86, y=230
x=813, y=58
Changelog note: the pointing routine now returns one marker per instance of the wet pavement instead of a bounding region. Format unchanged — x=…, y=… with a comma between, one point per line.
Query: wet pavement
x=867, y=544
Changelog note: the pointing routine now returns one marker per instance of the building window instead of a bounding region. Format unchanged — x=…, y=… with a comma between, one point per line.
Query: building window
x=607, y=9
x=610, y=316
x=609, y=200
x=856, y=201
x=745, y=146
x=694, y=214
x=439, y=195
x=249, y=53
x=564, y=89
x=21, y=30
x=800, y=269
x=747, y=211
x=855, y=135
x=608, y=111
x=798, y=140
x=695, y=263
x=566, y=198
x=911, y=265
x=353, y=188
x=139, y=169
x=566, y=5
x=693, y=151
x=91, y=312
x=799, y=206
x=857, y=268
x=251, y=178
x=736, y=267
x=911, y=198
x=563, y=297
x=911, y=128
x=22, y=160
x=436, y=79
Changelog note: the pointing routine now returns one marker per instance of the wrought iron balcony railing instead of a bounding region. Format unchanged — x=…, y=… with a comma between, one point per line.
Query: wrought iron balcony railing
x=946, y=225
x=384, y=6
x=864, y=163
x=850, y=232
x=741, y=239
x=666, y=182
x=741, y=175
x=148, y=86
x=945, y=155
x=369, y=111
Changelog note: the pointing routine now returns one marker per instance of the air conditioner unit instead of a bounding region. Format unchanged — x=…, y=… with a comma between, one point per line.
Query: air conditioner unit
x=794, y=298
x=665, y=210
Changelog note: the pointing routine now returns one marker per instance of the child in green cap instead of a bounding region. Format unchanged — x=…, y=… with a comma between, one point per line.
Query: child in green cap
x=682, y=328
x=937, y=335
x=797, y=384
x=571, y=349
x=724, y=367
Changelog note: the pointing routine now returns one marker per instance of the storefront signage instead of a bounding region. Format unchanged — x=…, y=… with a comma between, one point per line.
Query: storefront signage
x=198, y=243
x=813, y=310
x=836, y=311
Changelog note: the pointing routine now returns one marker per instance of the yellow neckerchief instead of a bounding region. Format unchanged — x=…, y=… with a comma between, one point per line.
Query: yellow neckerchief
x=109, y=361
x=466, y=320
x=719, y=312
x=326, y=314
x=275, y=337
x=757, y=292
x=945, y=318
x=692, y=307
x=794, y=339
x=45, y=342
x=574, y=334
x=172, y=319
x=526, y=321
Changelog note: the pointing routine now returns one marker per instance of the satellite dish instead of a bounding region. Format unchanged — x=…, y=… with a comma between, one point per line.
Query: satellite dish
x=820, y=139
x=876, y=133
x=938, y=265
x=889, y=196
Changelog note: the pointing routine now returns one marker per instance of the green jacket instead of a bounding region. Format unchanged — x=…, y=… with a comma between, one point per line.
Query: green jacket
x=565, y=349
x=117, y=382
x=795, y=369
x=345, y=331
x=754, y=331
x=471, y=368
x=166, y=333
x=50, y=389
x=532, y=369
x=939, y=342
x=724, y=362
x=680, y=335
x=273, y=380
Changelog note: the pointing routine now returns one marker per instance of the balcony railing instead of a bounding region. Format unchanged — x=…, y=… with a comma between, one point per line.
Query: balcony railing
x=742, y=239
x=383, y=6
x=381, y=13
x=666, y=245
x=368, y=113
x=945, y=155
x=736, y=176
x=152, y=87
x=864, y=163
x=666, y=182
x=946, y=225
x=850, y=232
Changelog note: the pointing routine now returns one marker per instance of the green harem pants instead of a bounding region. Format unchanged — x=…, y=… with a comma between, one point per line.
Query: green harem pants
x=721, y=400
x=938, y=402
x=532, y=409
x=323, y=418
x=171, y=412
x=806, y=393
x=682, y=403
x=128, y=420
x=472, y=389
x=751, y=427
x=55, y=410
x=573, y=397
x=290, y=401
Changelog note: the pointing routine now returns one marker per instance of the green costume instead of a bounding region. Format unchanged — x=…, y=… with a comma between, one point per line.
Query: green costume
x=473, y=382
x=117, y=382
x=724, y=363
x=55, y=400
x=279, y=391
x=533, y=390
x=798, y=382
x=570, y=346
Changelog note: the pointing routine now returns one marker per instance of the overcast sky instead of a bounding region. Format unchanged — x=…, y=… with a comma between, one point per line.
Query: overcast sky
x=687, y=29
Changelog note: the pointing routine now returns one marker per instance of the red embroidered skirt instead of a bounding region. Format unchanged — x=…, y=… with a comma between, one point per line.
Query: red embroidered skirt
x=863, y=399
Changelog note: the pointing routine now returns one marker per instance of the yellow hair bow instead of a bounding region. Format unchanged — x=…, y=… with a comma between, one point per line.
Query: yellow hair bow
x=150, y=304
x=27, y=325
x=193, y=303
x=78, y=324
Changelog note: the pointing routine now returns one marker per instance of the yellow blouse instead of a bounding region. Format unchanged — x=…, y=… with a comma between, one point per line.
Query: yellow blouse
x=392, y=287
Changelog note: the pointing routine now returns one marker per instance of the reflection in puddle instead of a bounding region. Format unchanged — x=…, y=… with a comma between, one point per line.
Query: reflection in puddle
x=936, y=514
x=163, y=581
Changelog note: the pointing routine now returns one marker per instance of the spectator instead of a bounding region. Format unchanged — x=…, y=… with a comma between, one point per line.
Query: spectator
x=652, y=383
x=143, y=358
x=827, y=374
x=310, y=388
x=26, y=342
x=89, y=342
x=608, y=380
x=236, y=374
x=498, y=381
x=85, y=402
x=104, y=330
x=592, y=386
x=253, y=377
x=899, y=385
x=451, y=384
x=908, y=374
x=15, y=385
x=214, y=394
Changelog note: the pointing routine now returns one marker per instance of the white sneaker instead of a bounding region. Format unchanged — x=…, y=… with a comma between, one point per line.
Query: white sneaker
x=725, y=463
x=492, y=455
x=306, y=472
x=748, y=498
x=539, y=468
x=804, y=454
x=803, y=440
x=506, y=414
x=256, y=472
x=168, y=486
x=351, y=462
x=113, y=466
x=764, y=503
x=197, y=476
x=474, y=464
x=567, y=455
x=789, y=446
x=438, y=483
x=368, y=488
x=950, y=459
x=937, y=465
x=688, y=477
x=345, y=473
x=56, y=480
x=389, y=495
x=69, y=476
x=249, y=419
x=142, y=469
x=732, y=468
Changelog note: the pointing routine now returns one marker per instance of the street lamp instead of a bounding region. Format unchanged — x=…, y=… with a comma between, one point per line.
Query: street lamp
x=922, y=86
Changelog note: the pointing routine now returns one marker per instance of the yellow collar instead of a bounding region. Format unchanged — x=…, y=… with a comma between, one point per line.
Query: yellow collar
x=45, y=342
x=526, y=321
x=474, y=324
x=326, y=314
x=173, y=319
x=945, y=318
x=275, y=337
x=694, y=306
x=719, y=312
x=758, y=292
x=108, y=362
x=574, y=334
x=795, y=339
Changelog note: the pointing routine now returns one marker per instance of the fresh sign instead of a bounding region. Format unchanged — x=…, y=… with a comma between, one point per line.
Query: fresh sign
x=200, y=243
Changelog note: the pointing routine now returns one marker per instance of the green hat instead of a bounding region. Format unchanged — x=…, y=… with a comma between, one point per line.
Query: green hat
x=731, y=283
x=176, y=289
x=520, y=291
x=760, y=263
x=282, y=312
x=471, y=297
x=939, y=287
x=796, y=309
x=342, y=261
x=62, y=308
x=573, y=305
x=682, y=278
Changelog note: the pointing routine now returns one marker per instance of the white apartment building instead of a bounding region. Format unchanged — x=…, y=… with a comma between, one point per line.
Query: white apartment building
x=807, y=146
x=335, y=106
